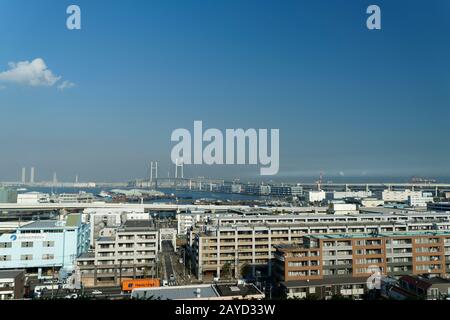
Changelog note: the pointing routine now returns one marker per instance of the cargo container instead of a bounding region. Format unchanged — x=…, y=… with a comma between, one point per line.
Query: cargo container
x=129, y=285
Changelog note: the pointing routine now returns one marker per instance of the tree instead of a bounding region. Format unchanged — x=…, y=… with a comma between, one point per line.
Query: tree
x=226, y=270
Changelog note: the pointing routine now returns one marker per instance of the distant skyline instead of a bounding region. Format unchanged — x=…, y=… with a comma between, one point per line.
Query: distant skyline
x=102, y=102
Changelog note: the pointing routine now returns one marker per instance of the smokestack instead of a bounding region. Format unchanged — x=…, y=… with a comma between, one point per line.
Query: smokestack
x=32, y=175
x=24, y=175
x=55, y=179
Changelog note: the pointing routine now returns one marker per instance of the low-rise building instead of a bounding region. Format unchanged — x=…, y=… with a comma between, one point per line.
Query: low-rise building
x=339, y=195
x=342, y=208
x=419, y=201
x=315, y=196
x=419, y=287
x=12, y=284
x=33, y=198
x=46, y=245
x=286, y=191
x=399, y=195
x=439, y=206
x=324, y=289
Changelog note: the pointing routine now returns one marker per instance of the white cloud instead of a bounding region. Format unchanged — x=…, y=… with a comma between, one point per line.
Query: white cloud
x=34, y=73
x=66, y=85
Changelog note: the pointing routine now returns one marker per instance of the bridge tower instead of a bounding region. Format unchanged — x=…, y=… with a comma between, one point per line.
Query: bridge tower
x=179, y=164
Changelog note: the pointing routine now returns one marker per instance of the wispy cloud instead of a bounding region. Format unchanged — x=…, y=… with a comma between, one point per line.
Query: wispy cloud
x=66, y=85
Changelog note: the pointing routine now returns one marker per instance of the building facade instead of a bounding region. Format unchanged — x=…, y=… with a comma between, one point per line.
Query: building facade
x=131, y=252
x=361, y=255
x=45, y=245
x=252, y=240
x=12, y=284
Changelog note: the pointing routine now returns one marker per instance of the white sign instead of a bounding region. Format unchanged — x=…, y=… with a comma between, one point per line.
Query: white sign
x=28, y=237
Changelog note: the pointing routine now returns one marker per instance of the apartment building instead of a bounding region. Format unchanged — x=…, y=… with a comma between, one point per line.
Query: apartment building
x=130, y=252
x=12, y=284
x=101, y=218
x=356, y=255
x=253, y=241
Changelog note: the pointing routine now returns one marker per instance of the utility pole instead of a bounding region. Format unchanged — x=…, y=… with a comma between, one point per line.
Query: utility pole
x=53, y=280
x=120, y=271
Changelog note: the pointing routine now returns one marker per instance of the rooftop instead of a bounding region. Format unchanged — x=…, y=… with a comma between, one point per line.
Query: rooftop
x=4, y=274
x=135, y=225
x=226, y=290
x=202, y=291
x=322, y=282
x=176, y=292
x=72, y=220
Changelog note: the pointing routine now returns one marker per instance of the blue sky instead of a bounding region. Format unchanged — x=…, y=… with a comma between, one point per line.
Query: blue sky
x=348, y=101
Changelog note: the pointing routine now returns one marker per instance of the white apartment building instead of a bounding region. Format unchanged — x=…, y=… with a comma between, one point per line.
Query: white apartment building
x=129, y=253
x=185, y=221
x=101, y=218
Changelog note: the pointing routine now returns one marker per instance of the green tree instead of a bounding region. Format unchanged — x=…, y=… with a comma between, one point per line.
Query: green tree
x=226, y=270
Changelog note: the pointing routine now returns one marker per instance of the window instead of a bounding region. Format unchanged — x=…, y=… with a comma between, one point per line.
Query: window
x=5, y=258
x=49, y=244
x=26, y=257
x=27, y=244
x=48, y=256
x=5, y=244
